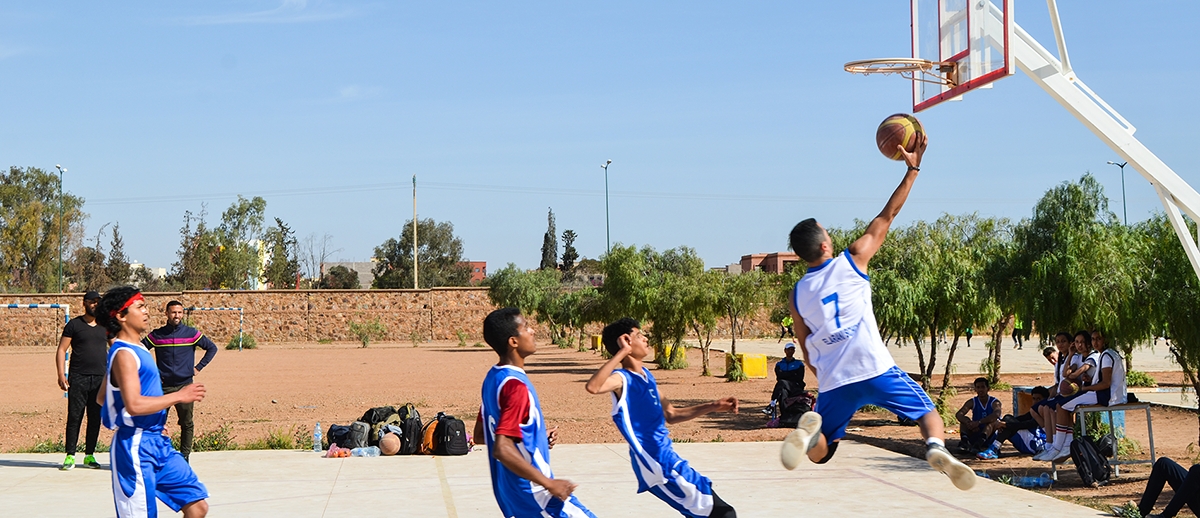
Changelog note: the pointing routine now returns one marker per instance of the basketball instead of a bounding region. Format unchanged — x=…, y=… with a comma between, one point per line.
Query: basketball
x=1067, y=388
x=389, y=444
x=900, y=129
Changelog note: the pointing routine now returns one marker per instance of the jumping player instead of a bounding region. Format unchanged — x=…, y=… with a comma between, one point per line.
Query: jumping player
x=515, y=433
x=835, y=325
x=641, y=415
x=144, y=465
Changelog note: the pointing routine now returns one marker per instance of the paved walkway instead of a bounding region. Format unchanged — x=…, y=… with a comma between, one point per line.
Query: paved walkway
x=861, y=480
x=967, y=359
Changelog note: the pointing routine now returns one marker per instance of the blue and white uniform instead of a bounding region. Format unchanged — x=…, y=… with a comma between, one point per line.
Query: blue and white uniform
x=1029, y=441
x=638, y=414
x=853, y=366
x=144, y=464
x=980, y=410
x=516, y=496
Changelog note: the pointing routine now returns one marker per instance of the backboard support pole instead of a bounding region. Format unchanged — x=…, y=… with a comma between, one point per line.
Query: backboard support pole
x=1057, y=80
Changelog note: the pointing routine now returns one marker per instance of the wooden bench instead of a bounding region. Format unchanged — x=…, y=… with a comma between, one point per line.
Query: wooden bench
x=1080, y=417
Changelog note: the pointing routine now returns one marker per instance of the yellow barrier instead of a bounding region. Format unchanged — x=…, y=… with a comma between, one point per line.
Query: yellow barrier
x=596, y=342
x=753, y=365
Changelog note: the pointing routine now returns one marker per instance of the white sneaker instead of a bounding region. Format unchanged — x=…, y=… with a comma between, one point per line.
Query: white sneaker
x=940, y=459
x=1062, y=454
x=1046, y=454
x=803, y=438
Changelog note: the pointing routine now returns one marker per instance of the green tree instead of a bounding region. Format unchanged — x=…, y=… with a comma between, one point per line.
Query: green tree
x=30, y=225
x=739, y=296
x=439, y=254
x=284, y=263
x=339, y=278
x=569, y=255
x=239, y=236
x=117, y=267
x=702, y=304
x=549, y=245
x=537, y=293
x=1175, y=294
x=198, y=246
x=87, y=269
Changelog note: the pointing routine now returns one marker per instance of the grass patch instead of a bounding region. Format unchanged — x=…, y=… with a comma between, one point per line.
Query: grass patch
x=214, y=440
x=325, y=341
x=462, y=337
x=57, y=446
x=480, y=344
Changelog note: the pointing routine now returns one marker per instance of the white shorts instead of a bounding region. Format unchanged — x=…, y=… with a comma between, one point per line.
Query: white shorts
x=1086, y=399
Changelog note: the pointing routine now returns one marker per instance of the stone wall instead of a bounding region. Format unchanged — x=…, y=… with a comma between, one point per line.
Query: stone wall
x=278, y=316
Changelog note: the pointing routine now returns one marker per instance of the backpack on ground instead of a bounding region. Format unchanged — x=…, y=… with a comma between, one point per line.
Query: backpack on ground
x=378, y=415
x=410, y=423
x=378, y=429
x=358, y=435
x=1092, y=467
x=338, y=434
x=429, y=437
x=450, y=435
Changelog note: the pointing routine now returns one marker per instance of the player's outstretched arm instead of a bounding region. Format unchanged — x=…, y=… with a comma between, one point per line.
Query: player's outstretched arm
x=125, y=373
x=506, y=452
x=864, y=248
x=673, y=414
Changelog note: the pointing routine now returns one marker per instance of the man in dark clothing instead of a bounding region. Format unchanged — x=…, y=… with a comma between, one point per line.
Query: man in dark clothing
x=88, y=343
x=175, y=352
x=1185, y=482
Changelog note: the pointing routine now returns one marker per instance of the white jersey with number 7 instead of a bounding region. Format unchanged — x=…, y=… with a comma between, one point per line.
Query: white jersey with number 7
x=844, y=345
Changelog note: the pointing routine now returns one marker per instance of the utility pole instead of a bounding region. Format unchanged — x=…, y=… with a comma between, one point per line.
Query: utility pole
x=416, y=285
x=607, y=232
x=61, y=210
x=1124, y=211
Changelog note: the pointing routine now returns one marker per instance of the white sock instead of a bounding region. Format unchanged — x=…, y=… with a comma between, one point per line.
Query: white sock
x=935, y=440
x=1060, y=439
x=996, y=445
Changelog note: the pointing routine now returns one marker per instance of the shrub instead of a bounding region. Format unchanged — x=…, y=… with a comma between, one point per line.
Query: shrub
x=325, y=341
x=733, y=371
x=365, y=331
x=1139, y=379
x=462, y=337
x=56, y=446
x=480, y=344
x=214, y=440
x=247, y=342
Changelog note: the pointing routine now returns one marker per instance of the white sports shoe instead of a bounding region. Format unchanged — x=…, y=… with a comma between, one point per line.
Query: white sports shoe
x=803, y=438
x=941, y=459
x=1046, y=454
x=1063, y=453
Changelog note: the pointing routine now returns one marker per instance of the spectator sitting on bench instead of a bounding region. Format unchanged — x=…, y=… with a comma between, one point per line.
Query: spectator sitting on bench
x=1024, y=431
x=1106, y=389
x=975, y=432
x=1186, y=484
x=1059, y=356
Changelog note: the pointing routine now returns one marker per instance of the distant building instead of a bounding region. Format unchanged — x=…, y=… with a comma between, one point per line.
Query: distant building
x=157, y=273
x=362, y=268
x=775, y=262
x=478, y=270
x=731, y=269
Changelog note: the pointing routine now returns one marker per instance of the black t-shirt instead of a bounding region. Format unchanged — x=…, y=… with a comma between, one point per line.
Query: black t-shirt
x=89, y=347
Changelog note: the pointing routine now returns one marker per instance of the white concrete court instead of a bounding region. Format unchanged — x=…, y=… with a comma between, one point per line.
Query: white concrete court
x=861, y=480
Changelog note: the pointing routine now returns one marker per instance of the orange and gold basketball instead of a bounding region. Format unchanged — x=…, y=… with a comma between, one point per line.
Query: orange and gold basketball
x=1067, y=388
x=389, y=444
x=900, y=129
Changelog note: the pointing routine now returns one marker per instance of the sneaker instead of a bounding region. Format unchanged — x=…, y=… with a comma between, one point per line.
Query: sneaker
x=1047, y=454
x=1061, y=454
x=940, y=459
x=803, y=438
x=68, y=463
x=988, y=454
x=90, y=461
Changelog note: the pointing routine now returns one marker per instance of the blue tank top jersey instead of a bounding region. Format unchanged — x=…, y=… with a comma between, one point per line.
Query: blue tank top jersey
x=516, y=496
x=979, y=410
x=114, y=415
x=638, y=414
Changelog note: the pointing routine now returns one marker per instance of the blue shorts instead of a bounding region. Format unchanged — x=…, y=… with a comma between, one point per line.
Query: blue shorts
x=892, y=390
x=683, y=488
x=145, y=466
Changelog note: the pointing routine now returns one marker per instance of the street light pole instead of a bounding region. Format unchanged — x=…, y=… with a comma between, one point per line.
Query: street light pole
x=61, y=170
x=607, y=231
x=1124, y=211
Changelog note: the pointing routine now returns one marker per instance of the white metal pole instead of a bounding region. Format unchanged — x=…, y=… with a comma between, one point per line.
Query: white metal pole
x=416, y=285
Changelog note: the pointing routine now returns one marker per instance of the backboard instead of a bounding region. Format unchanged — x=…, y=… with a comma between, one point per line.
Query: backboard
x=974, y=35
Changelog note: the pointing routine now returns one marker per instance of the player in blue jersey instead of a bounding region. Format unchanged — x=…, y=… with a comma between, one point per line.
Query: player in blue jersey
x=144, y=465
x=511, y=423
x=836, y=329
x=641, y=415
x=976, y=432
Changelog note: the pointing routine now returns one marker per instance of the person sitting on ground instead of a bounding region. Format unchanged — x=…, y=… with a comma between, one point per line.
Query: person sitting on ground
x=790, y=368
x=1185, y=483
x=1023, y=431
x=1107, y=388
x=975, y=432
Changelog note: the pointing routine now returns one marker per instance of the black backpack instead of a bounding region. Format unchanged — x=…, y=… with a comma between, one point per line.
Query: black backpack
x=378, y=415
x=359, y=431
x=451, y=436
x=1092, y=467
x=338, y=434
x=410, y=423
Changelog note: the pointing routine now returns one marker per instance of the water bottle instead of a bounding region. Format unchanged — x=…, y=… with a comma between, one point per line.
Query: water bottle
x=317, y=438
x=369, y=451
x=1045, y=480
x=1025, y=482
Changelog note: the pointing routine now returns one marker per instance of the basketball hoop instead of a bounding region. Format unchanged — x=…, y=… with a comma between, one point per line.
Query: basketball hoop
x=909, y=68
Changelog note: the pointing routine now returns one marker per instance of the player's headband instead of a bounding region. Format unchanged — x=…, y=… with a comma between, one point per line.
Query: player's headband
x=136, y=297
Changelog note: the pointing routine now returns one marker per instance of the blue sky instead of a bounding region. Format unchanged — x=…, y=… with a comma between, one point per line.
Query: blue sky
x=726, y=122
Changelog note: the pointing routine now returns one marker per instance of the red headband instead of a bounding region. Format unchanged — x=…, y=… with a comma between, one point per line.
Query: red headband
x=136, y=297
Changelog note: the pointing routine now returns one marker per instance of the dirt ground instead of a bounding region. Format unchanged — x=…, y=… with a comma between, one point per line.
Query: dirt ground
x=291, y=387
